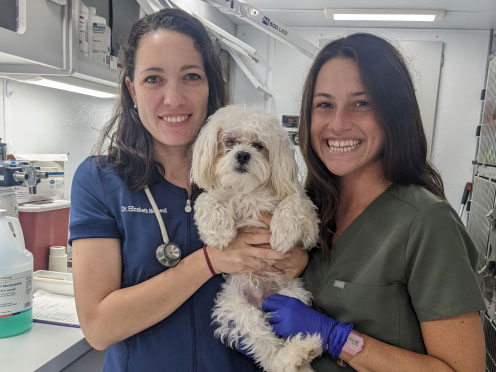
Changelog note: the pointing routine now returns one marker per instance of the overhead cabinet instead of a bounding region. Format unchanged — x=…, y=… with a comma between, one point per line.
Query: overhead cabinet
x=40, y=38
x=44, y=42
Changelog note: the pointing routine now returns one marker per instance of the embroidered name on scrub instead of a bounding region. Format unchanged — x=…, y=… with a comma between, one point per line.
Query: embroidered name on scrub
x=133, y=209
x=339, y=284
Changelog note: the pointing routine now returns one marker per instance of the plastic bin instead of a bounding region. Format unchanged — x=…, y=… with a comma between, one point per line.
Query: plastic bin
x=53, y=282
x=44, y=224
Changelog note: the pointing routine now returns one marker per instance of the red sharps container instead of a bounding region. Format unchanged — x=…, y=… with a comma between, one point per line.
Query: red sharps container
x=44, y=224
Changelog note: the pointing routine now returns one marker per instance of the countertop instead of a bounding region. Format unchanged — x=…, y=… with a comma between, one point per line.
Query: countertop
x=44, y=348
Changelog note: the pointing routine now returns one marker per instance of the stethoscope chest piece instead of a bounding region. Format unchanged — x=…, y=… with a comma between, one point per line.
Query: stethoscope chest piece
x=168, y=254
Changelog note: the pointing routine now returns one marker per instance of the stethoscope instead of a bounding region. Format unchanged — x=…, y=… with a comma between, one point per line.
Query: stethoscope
x=168, y=254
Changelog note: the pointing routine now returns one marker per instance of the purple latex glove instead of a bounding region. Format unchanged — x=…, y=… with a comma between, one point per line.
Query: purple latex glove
x=289, y=316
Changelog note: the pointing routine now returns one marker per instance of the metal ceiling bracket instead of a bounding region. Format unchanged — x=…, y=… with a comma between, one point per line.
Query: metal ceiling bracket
x=269, y=25
x=224, y=37
x=247, y=71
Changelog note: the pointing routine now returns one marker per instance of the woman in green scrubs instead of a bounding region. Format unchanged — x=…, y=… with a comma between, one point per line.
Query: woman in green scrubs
x=393, y=283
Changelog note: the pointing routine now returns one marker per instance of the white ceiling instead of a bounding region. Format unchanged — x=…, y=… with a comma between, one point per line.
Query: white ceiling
x=460, y=14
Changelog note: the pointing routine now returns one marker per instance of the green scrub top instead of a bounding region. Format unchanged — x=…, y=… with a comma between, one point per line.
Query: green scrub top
x=407, y=258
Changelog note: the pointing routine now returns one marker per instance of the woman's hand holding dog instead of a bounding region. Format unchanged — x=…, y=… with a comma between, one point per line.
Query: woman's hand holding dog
x=292, y=264
x=244, y=254
x=250, y=253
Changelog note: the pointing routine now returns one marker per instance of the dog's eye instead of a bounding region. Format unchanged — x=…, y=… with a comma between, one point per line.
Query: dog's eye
x=229, y=143
x=258, y=145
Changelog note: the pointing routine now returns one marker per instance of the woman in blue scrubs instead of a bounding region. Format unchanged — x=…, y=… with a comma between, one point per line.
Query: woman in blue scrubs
x=147, y=317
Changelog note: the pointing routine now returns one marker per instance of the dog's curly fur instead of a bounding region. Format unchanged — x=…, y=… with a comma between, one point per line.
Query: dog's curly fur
x=243, y=160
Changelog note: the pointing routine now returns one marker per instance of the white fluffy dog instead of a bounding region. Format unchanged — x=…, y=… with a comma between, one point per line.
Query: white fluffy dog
x=243, y=160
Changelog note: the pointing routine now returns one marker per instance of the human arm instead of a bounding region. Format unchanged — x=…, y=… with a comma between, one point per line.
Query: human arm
x=109, y=313
x=453, y=344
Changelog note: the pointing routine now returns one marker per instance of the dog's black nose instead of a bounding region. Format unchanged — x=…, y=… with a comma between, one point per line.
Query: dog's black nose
x=242, y=157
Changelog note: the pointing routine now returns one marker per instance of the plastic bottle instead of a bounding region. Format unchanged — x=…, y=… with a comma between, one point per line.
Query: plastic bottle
x=57, y=260
x=83, y=28
x=16, y=279
x=99, y=35
x=3, y=150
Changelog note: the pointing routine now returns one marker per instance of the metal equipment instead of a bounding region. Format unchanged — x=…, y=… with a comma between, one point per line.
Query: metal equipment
x=16, y=173
x=482, y=214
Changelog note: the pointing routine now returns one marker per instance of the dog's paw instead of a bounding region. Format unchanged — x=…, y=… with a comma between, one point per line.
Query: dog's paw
x=220, y=239
x=284, y=235
x=216, y=225
x=294, y=222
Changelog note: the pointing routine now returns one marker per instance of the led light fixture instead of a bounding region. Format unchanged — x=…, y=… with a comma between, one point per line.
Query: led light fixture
x=398, y=15
x=71, y=88
x=66, y=83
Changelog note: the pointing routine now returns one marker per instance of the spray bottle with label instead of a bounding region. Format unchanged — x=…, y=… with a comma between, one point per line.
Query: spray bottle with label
x=16, y=279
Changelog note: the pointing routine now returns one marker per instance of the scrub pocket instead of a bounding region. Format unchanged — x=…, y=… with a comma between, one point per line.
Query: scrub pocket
x=371, y=308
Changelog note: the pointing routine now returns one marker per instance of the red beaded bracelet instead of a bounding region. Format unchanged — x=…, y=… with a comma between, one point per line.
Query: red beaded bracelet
x=208, y=260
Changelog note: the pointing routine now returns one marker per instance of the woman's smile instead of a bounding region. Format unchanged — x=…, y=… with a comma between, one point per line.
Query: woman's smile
x=343, y=145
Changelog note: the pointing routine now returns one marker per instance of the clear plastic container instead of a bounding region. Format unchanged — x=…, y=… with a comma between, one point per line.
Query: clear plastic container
x=53, y=282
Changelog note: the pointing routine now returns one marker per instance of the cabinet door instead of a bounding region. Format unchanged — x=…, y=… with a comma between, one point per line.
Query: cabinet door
x=41, y=37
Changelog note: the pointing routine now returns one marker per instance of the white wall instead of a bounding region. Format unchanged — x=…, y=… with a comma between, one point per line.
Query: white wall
x=458, y=107
x=42, y=120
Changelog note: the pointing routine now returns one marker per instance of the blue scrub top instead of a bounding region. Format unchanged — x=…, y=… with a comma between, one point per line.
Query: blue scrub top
x=103, y=207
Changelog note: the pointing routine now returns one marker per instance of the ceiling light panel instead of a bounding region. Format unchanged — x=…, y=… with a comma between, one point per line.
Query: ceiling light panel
x=396, y=15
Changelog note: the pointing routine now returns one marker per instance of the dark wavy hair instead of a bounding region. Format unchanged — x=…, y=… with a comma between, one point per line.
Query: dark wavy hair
x=390, y=88
x=127, y=143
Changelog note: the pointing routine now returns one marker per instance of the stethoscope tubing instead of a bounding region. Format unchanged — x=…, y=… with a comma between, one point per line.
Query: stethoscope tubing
x=163, y=230
x=168, y=254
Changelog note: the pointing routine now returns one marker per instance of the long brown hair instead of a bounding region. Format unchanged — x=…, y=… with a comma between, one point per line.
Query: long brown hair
x=129, y=148
x=390, y=87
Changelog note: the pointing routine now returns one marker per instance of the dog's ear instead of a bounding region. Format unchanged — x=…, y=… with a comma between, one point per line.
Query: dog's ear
x=204, y=156
x=284, y=171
